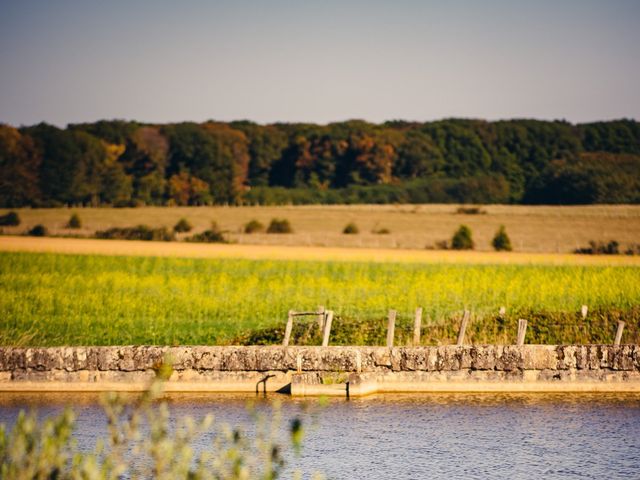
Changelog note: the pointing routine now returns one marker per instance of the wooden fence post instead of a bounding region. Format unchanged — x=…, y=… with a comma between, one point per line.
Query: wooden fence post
x=522, y=331
x=327, y=327
x=391, y=327
x=502, y=312
x=619, y=333
x=584, y=310
x=417, y=323
x=321, y=318
x=288, y=328
x=463, y=326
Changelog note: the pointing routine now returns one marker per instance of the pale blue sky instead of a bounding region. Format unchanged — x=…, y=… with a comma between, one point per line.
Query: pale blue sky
x=162, y=61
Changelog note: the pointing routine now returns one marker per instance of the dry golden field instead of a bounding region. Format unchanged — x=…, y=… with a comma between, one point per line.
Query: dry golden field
x=531, y=228
x=89, y=246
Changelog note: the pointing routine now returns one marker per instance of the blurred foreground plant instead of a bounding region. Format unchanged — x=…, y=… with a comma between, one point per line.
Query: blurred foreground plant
x=141, y=443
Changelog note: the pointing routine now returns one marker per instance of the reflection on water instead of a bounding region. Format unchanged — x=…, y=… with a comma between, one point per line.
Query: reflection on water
x=513, y=436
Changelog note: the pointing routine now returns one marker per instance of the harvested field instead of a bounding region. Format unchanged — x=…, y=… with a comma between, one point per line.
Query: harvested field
x=277, y=252
x=531, y=228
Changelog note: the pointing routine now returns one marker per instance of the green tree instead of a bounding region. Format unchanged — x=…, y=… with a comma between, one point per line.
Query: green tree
x=501, y=241
x=462, y=239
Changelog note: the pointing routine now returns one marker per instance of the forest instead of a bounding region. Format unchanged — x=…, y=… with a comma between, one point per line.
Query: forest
x=127, y=163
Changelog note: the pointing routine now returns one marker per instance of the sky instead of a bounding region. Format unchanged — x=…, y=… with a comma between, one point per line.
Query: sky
x=268, y=61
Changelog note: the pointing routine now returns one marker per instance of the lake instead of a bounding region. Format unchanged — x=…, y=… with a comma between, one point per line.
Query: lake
x=438, y=436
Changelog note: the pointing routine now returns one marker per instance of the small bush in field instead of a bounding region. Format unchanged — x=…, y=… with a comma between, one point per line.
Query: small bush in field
x=182, y=226
x=600, y=248
x=253, y=226
x=141, y=232
x=11, y=219
x=38, y=231
x=471, y=211
x=279, y=225
x=213, y=235
x=462, y=239
x=74, y=221
x=442, y=245
x=351, y=229
x=501, y=241
x=381, y=231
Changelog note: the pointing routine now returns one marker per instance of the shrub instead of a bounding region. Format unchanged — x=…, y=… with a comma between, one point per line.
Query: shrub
x=381, y=231
x=600, y=248
x=471, y=211
x=182, y=226
x=213, y=235
x=279, y=225
x=145, y=441
x=140, y=232
x=351, y=229
x=442, y=245
x=501, y=241
x=462, y=239
x=254, y=226
x=38, y=231
x=11, y=219
x=633, y=249
x=74, y=221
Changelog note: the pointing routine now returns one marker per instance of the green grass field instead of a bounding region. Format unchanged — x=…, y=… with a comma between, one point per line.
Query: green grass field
x=56, y=299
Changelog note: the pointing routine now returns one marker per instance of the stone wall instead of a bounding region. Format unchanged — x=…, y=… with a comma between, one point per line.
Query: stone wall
x=326, y=370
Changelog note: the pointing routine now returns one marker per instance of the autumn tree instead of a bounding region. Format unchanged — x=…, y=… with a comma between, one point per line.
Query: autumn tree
x=19, y=169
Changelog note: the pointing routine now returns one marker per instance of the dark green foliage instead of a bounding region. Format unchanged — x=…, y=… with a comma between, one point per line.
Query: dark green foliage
x=213, y=235
x=351, y=229
x=449, y=161
x=462, y=239
x=182, y=226
x=11, y=219
x=600, y=248
x=633, y=249
x=279, y=225
x=140, y=232
x=501, y=241
x=38, y=231
x=253, y=226
x=74, y=221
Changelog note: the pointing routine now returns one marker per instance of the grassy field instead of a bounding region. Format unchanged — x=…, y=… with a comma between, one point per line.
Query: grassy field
x=531, y=228
x=57, y=299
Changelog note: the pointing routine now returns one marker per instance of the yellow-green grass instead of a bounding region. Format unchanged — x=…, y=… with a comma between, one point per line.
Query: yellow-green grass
x=531, y=228
x=57, y=299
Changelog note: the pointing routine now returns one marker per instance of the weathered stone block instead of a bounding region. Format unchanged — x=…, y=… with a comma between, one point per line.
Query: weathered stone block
x=509, y=357
x=381, y=357
x=622, y=358
x=539, y=357
x=483, y=357
x=413, y=359
x=566, y=357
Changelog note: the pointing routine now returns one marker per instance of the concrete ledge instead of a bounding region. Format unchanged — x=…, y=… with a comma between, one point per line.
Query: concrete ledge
x=326, y=370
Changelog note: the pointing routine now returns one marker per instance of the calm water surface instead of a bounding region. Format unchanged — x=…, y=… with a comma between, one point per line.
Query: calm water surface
x=452, y=436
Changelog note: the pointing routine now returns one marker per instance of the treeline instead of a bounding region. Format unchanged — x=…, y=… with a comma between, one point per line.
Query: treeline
x=124, y=163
